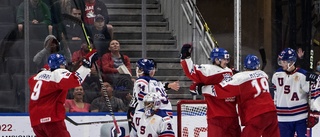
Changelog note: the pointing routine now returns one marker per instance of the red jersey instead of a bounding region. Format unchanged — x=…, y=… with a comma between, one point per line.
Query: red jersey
x=89, y=13
x=253, y=90
x=48, y=92
x=209, y=74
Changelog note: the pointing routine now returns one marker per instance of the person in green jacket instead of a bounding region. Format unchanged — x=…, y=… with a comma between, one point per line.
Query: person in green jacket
x=39, y=13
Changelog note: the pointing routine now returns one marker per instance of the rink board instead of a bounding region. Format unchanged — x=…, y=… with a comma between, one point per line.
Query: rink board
x=18, y=125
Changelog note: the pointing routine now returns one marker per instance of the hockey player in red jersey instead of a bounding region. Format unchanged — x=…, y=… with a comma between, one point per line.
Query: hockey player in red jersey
x=48, y=91
x=222, y=117
x=255, y=105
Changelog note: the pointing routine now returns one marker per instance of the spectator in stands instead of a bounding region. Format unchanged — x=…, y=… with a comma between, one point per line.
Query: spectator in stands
x=73, y=30
x=113, y=59
x=39, y=13
x=101, y=105
x=318, y=68
x=51, y=45
x=77, y=104
x=99, y=30
x=92, y=9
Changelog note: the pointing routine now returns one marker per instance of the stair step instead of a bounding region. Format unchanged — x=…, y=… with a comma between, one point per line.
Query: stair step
x=129, y=1
x=137, y=35
x=158, y=60
x=131, y=8
x=136, y=17
x=149, y=47
x=137, y=24
x=149, y=41
x=138, y=28
x=152, y=53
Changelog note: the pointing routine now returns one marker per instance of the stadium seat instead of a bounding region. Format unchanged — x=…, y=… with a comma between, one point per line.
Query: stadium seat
x=14, y=65
x=74, y=45
x=16, y=49
x=90, y=96
x=38, y=31
x=8, y=102
x=7, y=15
x=4, y=3
x=5, y=83
x=102, y=47
x=6, y=29
x=15, y=3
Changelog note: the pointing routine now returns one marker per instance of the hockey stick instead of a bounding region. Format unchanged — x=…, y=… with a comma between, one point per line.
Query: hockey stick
x=205, y=25
x=263, y=57
x=95, y=122
x=80, y=22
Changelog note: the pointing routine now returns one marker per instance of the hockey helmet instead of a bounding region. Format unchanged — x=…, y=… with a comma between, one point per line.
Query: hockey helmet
x=219, y=53
x=251, y=62
x=55, y=60
x=152, y=102
x=288, y=55
x=145, y=65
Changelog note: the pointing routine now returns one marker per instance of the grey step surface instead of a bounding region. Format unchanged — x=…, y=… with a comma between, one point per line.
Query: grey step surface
x=152, y=53
x=148, y=47
x=164, y=35
x=149, y=41
x=136, y=17
x=131, y=8
x=129, y=1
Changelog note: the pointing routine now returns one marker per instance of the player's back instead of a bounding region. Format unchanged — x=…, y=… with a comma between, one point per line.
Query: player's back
x=47, y=96
x=253, y=90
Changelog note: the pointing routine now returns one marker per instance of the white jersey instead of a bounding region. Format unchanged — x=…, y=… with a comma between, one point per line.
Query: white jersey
x=157, y=125
x=291, y=95
x=143, y=86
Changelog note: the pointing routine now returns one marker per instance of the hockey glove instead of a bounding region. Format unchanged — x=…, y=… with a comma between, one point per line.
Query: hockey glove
x=186, y=51
x=313, y=119
x=91, y=57
x=196, y=88
x=310, y=76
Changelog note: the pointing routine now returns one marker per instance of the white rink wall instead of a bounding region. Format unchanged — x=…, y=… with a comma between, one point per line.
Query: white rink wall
x=18, y=125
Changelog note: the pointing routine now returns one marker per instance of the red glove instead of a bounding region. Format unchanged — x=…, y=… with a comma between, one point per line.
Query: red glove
x=91, y=57
x=313, y=119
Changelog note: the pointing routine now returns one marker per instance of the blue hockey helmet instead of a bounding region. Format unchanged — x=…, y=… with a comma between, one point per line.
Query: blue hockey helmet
x=145, y=65
x=251, y=62
x=55, y=60
x=219, y=53
x=288, y=55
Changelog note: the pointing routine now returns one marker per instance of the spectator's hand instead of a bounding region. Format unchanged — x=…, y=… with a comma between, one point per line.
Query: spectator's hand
x=129, y=96
x=75, y=38
x=91, y=57
x=310, y=76
x=20, y=27
x=186, y=51
x=300, y=53
x=35, y=22
x=174, y=85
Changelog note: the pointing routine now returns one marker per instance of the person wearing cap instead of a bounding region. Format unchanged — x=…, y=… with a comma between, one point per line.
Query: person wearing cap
x=94, y=8
x=51, y=45
x=99, y=30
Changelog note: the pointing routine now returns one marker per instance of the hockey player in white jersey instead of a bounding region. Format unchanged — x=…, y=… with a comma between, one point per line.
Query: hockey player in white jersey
x=151, y=121
x=146, y=83
x=291, y=95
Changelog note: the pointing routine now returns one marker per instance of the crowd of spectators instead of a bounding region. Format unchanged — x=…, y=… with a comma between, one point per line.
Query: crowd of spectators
x=64, y=34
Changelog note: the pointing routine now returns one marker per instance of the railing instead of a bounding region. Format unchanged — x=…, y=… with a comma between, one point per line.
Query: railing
x=188, y=25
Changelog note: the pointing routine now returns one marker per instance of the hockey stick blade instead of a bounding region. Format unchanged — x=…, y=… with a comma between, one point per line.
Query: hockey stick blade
x=94, y=122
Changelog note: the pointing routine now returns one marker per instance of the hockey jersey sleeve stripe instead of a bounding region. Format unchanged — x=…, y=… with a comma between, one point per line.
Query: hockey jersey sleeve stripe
x=141, y=95
x=167, y=134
